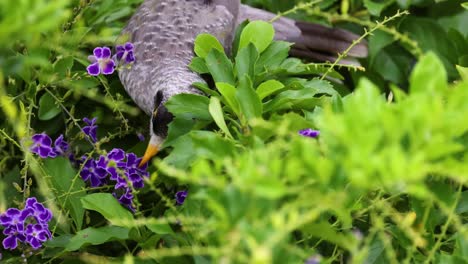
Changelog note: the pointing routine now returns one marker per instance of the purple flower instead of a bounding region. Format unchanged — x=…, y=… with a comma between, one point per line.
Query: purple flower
x=60, y=145
x=91, y=128
x=13, y=236
x=180, y=197
x=42, y=145
x=309, y=132
x=94, y=173
x=13, y=217
x=29, y=225
x=101, y=62
x=37, y=210
x=125, y=53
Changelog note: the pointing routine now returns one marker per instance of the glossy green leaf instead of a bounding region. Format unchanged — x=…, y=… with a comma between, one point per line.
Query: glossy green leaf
x=204, y=43
x=108, y=206
x=268, y=88
x=217, y=113
x=229, y=96
x=189, y=106
x=250, y=103
x=220, y=67
x=259, y=33
x=245, y=61
x=198, y=65
x=96, y=236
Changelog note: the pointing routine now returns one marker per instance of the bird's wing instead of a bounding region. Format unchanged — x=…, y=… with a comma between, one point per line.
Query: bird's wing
x=163, y=33
x=311, y=40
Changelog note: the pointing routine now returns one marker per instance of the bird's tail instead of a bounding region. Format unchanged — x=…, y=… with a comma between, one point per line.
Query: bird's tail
x=311, y=41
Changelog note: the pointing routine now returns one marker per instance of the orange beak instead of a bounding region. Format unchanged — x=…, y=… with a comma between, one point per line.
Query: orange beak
x=150, y=152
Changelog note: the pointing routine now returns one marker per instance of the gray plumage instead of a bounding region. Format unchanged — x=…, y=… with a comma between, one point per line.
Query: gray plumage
x=163, y=32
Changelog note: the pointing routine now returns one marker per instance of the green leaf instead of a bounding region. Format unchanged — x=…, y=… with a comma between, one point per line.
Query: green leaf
x=96, y=236
x=68, y=186
x=47, y=107
x=108, y=206
x=161, y=229
x=229, y=96
x=273, y=56
x=217, y=113
x=302, y=98
x=432, y=37
x=205, y=89
x=259, y=33
x=268, y=88
x=189, y=106
x=249, y=102
x=178, y=127
x=463, y=71
x=235, y=43
x=220, y=67
x=199, y=144
x=377, y=42
x=245, y=61
x=63, y=66
x=465, y=5
x=198, y=65
x=428, y=75
x=204, y=43
x=376, y=8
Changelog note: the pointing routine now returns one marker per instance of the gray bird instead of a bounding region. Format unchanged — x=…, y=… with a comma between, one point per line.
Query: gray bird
x=163, y=32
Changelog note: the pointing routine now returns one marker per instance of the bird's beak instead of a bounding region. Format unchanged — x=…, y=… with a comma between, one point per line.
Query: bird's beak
x=150, y=152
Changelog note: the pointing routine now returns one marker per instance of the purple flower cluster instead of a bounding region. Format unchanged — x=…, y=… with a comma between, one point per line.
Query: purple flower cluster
x=102, y=61
x=309, y=132
x=119, y=167
x=42, y=146
x=28, y=226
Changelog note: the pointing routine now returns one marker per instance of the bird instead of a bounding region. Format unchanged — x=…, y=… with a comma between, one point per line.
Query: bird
x=163, y=34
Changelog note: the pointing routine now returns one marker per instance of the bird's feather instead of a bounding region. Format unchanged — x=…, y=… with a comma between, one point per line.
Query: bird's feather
x=312, y=41
x=163, y=32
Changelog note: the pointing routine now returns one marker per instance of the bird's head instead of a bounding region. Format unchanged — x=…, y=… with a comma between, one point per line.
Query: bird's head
x=160, y=119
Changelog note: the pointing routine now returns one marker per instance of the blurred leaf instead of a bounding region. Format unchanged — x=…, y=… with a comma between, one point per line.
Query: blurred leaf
x=47, y=107
x=259, y=33
x=108, y=206
x=429, y=65
x=96, y=236
x=204, y=43
x=68, y=186
x=161, y=229
x=463, y=71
